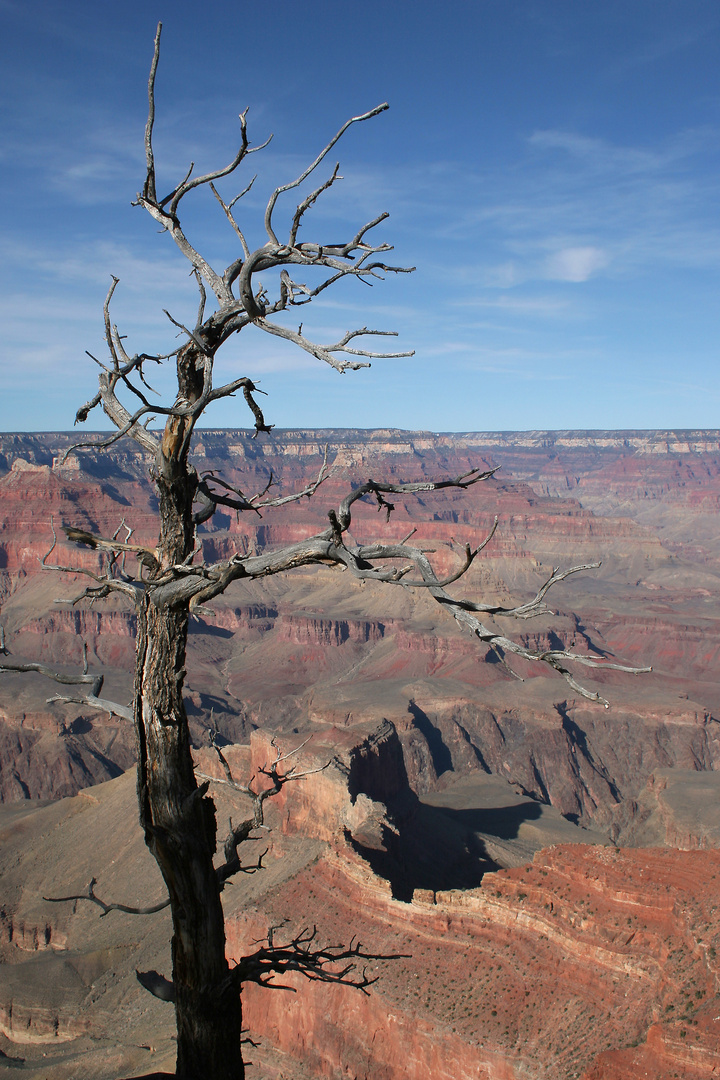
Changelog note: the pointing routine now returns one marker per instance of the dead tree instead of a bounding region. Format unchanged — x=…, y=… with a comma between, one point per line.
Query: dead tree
x=171, y=580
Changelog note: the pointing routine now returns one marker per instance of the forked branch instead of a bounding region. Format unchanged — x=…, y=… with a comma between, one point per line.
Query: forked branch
x=210, y=499
x=91, y=699
x=325, y=352
x=106, y=908
x=310, y=169
x=239, y=834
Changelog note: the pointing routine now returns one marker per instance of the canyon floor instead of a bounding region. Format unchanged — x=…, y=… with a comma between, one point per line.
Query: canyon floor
x=545, y=865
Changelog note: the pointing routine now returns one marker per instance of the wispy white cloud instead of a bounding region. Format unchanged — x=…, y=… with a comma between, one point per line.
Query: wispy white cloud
x=575, y=263
x=527, y=234
x=582, y=207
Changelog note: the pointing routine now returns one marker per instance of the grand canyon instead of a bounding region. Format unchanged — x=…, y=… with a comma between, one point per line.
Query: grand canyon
x=542, y=868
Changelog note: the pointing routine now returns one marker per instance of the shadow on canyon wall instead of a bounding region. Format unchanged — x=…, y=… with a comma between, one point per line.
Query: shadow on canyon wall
x=439, y=848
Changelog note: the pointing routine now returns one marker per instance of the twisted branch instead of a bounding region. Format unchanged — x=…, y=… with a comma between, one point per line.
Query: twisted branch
x=300, y=954
x=239, y=834
x=210, y=500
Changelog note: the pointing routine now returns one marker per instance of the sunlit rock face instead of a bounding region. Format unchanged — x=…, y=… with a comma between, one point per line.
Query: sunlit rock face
x=580, y=961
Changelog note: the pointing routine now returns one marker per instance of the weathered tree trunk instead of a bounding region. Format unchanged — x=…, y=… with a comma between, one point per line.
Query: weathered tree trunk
x=179, y=822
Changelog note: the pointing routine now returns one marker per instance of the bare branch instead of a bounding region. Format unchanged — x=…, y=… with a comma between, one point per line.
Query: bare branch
x=172, y=225
x=318, y=256
x=372, y=487
x=210, y=500
x=50, y=673
x=187, y=185
x=105, y=582
x=311, y=168
x=306, y=492
x=533, y=607
x=108, y=328
x=239, y=834
x=192, y=334
x=470, y=554
x=332, y=964
x=308, y=202
x=260, y=425
x=203, y=300
x=109, y=379
x=94, y=702
x=324, y=352
x=80, y=536
x=149, y=187
x=107, y=908
x=95, y=682
x=227, y=208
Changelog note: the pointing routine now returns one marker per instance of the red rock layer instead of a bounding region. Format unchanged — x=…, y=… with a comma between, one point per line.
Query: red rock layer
x=321, y=647
x=542, y=973
x=590, y=962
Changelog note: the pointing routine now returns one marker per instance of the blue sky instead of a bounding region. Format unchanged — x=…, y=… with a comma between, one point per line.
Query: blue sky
x=551, y=167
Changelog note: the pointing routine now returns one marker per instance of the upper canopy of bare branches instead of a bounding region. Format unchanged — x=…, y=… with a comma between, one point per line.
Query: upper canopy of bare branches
x=241, y=296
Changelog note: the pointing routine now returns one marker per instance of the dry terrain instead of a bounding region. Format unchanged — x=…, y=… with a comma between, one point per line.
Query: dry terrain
x=547, y=865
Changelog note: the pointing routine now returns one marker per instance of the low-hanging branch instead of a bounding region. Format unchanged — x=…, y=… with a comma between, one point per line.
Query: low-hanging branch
x=300, y=953
x=91, y=699
x=239, y=834
x=113, y=579
x=295, y=955
x=106, y=908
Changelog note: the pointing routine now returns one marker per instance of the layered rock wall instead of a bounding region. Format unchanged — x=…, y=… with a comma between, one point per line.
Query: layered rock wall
x=314, y=649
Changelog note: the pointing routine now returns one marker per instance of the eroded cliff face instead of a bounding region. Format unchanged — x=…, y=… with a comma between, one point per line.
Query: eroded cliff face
x=543, y=972
x=436, y=829
x=315, y=649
